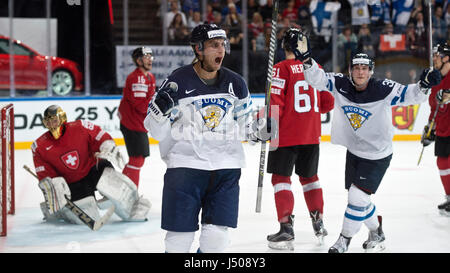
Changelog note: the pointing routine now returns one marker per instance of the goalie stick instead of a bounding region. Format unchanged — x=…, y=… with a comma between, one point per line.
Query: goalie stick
x=262, y=156
x=78, y=212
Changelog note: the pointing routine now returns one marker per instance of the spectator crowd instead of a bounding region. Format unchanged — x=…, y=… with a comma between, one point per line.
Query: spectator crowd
x=379, y=29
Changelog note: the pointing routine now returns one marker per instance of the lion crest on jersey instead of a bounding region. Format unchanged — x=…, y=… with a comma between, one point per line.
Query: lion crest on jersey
x=71, y=160
x=213, y=110
x=356, y=116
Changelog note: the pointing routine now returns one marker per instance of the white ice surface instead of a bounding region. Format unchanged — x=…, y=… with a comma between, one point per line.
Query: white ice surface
x=407, y=199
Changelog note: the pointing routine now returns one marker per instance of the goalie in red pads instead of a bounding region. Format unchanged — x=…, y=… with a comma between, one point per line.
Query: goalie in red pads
x=73, y=160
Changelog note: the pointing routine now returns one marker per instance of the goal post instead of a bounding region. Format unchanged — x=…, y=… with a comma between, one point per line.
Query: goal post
x=7, y=203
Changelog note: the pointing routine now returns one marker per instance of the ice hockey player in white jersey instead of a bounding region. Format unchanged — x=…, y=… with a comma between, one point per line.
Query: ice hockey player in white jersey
x=362, y=122
x=200, y=115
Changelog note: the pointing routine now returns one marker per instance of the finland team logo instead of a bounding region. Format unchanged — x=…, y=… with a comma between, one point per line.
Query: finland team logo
x=213, y=110
x=357, y=116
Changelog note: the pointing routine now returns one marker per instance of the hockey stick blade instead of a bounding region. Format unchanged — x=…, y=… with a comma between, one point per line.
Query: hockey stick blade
x=79, y=213
x=430, y=128
x=99, y=223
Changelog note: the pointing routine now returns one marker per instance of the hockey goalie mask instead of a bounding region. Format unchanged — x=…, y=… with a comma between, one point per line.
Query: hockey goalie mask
x=361, y=59
x=54, y=118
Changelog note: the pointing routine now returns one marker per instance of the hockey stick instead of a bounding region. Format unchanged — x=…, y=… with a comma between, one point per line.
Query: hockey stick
x=85, y=218
x=430, y=34
x=262, y=156
x=428, y=132
x=430, y=60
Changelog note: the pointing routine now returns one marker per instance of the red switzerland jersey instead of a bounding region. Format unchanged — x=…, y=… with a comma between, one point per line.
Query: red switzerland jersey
x=72, y=155
x=139, y=89
x=443, y=115
x=300, y=105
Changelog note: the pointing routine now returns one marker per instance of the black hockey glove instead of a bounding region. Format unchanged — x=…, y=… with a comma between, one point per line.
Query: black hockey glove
x=430, y=78
x=427, y=139
x=163, y=102
x=440, y=96
x=166, y=98
x=300, y=47
x=264, y=129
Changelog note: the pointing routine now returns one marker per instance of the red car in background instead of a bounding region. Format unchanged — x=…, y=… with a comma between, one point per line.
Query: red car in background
x=30, y=70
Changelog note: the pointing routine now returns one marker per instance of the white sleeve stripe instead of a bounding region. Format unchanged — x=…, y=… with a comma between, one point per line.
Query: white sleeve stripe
x=100, y=135
x=281, y=187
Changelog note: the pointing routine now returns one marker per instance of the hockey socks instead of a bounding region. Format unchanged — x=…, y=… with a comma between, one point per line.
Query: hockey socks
x=313, y=193
x=284, y=199
x=133, y=168
x=359, y=210
x=443, y=164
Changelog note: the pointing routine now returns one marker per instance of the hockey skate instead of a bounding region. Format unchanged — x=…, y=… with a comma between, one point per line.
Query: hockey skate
x=444, y=208
x=317, y=223
x=375, y=242
x=341, y=245
x=284, y=239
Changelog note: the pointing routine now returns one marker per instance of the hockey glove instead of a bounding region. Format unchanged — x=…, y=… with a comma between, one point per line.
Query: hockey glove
x=300, y=47
x=163, y=101
x=427, y=139
x=55, y=191
x=110, y=152
x=429, y=78
x=441, y=97
x=264, y=129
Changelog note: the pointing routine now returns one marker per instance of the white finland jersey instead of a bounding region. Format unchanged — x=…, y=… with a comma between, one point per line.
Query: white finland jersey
x=205, y=131
x=362, y=121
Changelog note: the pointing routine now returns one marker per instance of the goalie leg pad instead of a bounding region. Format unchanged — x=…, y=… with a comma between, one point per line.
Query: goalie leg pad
x=120, y=190
x=140, y=210
x=54, y=190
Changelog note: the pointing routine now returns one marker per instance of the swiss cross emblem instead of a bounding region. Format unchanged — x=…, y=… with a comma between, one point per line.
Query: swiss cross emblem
x=71, y=160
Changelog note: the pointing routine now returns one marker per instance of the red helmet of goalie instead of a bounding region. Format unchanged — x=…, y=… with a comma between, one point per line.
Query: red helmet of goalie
x=54, y=118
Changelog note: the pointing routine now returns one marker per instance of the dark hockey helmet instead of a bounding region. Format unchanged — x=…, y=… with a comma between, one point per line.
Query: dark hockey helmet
x=204, y=32
x=289, y=37
x=141, y=52
x=54, y=118
x=443, y=49
x=362, y=59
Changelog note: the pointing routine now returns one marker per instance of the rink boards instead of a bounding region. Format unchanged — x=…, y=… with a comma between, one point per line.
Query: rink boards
x=408, y=121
